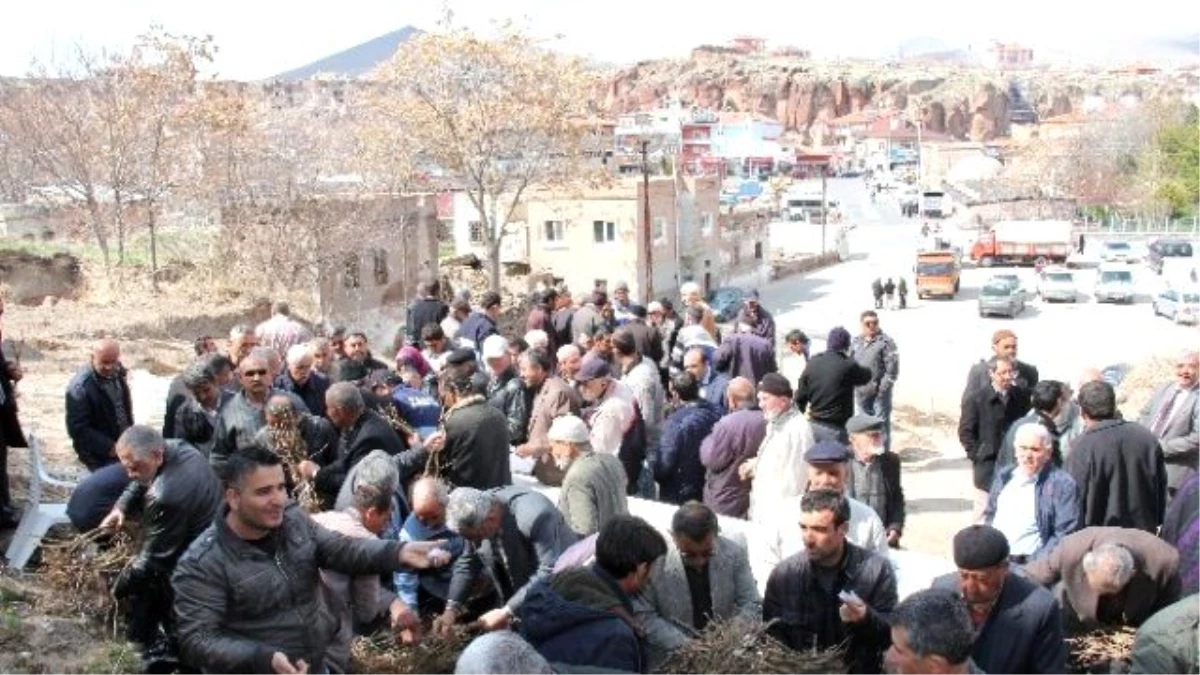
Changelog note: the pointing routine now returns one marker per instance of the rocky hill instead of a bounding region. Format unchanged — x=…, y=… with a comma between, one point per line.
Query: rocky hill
x=964, y=102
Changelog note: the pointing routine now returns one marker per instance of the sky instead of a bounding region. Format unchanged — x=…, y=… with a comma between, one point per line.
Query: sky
x=260, y=38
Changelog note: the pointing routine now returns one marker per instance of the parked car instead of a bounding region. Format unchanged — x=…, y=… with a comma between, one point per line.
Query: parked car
x=1014, y=280
x=1167, y=248
x=1181, y=305
x=726, y=302
x=1000, y=298
x=1114, y=283
x=1117, y=251
x=1058, y=284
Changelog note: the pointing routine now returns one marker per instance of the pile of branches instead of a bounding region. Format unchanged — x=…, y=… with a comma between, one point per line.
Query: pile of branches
x=433, y=654
x=81, y=571
x=1105, y=650
x=742, y=645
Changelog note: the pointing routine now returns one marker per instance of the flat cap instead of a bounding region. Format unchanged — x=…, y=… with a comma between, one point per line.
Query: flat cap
x=460, y=356
x=593, y=367
x=861, y=424
x=979, y=547
x=775, y=384
x=568, y=429
x=827, y=452
x=494, y=346
x=621, y=286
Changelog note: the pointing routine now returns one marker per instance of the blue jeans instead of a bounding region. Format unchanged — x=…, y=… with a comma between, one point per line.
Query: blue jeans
x=879, y=405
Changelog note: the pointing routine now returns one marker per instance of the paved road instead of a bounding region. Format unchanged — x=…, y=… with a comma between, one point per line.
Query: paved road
x=940, y=339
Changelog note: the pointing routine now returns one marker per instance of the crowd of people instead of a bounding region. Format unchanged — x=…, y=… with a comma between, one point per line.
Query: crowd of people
x=302, y=491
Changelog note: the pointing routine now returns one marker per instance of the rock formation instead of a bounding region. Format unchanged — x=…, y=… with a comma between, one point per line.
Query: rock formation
x=966, y=103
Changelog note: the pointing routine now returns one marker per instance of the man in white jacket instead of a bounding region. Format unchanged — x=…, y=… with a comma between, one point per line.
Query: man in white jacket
x=778, y=473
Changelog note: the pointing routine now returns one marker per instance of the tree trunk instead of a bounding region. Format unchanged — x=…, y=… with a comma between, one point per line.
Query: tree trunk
x=119, y=218
x=97, y=226
x=151, y=226
x=494, y=264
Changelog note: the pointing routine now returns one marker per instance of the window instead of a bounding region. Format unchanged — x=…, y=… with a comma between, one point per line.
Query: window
x=476, y=231
x=554, y=231
x=660, y=228
x=381, y=266
x=350, y=272
x=706, y=224
x=604, y=231
x=758, y=250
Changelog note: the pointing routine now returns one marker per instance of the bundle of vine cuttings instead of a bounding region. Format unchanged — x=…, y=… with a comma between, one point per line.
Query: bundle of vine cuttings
x=742, y=645
x=1099, y=650
x=383, y=654
x=81, y=570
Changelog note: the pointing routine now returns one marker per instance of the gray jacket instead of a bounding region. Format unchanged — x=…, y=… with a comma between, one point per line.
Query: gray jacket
x=664, y=606
x=238, y=604
x=237, y=423
x=1180, y=436
x=593, y=491
x=883, y=358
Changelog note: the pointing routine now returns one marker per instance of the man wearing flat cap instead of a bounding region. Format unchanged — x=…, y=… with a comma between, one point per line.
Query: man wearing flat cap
x=778, y=472
x=461, y=363
x=1018, y=623
x=828, y=469
x=611, y=416
x=875, y=474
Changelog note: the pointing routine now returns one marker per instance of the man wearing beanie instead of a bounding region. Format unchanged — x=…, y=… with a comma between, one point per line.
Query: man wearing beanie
x=1018, y=623
x=778, y=473
x=826, y=388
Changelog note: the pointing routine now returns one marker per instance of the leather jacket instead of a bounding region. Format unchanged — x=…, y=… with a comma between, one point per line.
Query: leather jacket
x=238, y=604
x=507, y=393
x=176, y=507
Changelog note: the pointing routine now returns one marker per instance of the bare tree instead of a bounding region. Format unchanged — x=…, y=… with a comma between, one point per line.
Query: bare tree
x=501, y=115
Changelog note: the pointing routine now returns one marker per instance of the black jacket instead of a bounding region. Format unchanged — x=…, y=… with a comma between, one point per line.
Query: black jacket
x=237, y=423
x=476, y=328
x=421, y=313
x=11, y=434
x=178, y=505
x=312, y=392
x=237, y=604
x=92, y=418
x=826, y=388
x=349, y=370
x=177, y=395
x=985, y=418
x=979, y=377
x=1122, y=477
x=369, y=432
x=193, y=425
x=506, y=392
x=1024, y=632
x=647, y=338
x=878, y=486
x=562, y=320
x=808, y=614
x=477, y=446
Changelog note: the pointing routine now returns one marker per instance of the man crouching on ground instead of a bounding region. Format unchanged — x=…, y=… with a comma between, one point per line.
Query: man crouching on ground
x=247, y=592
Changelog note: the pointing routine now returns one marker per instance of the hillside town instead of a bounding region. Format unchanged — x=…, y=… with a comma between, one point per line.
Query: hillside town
x=487, y=360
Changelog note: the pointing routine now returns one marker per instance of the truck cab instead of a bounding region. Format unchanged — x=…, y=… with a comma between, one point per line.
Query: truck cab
x=937, y=274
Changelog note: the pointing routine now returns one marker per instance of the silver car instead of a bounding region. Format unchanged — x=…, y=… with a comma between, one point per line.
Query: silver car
x=1000, y=298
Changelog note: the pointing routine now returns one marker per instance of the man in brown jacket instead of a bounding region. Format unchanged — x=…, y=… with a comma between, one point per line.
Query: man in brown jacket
x=1110, y=575
x=552, y=397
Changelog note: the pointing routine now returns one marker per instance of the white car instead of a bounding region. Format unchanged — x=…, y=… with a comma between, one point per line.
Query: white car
x=1058, y=285
x=1181, y=305
x=1117, y=251
x=1114, y=283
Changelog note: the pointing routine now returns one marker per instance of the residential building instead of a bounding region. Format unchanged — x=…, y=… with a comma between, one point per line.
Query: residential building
x=697, y=135
x=749, y=142
x=1011, y=56
x=748, y=44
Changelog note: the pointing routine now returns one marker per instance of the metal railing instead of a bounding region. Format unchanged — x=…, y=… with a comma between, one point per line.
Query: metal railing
x=1140, y=225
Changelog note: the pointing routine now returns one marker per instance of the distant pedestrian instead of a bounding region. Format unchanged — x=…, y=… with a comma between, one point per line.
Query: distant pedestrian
x=877, y=291
x=889, y=289
x=902, y=290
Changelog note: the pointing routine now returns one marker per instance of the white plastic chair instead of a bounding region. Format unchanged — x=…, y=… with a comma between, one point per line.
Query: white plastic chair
x=39, y=516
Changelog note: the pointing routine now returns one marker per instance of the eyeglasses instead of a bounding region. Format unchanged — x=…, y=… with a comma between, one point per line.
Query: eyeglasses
x=255, y=373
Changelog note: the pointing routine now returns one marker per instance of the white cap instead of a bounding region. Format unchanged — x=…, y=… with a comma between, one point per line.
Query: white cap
x=568, y=429
x=654, y=307
x=494, y=347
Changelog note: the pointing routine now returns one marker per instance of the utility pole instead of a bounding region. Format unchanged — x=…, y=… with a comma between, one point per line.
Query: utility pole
x=824, y=203
x=648, y=232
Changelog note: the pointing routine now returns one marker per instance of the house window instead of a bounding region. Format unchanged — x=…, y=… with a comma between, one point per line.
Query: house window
x=604, y=231
x=554, y=231
x=476, y=231
x=381, y=266
x=706, y=224
x=350, y=272
x=758, y=250
x=660, y=228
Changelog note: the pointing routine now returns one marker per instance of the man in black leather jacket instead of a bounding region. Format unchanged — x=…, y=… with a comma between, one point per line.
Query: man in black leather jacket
x=177, y=495
x=505, y=391
x=248, y=591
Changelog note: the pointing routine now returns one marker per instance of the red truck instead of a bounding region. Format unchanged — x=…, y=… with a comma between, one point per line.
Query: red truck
x=1024, y=242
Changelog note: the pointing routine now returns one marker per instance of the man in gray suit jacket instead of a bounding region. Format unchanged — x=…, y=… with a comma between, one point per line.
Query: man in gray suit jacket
x=703, y=577
x=1171, y=416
